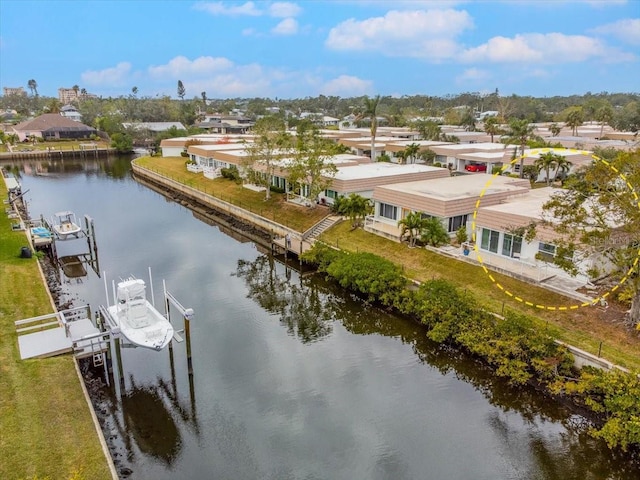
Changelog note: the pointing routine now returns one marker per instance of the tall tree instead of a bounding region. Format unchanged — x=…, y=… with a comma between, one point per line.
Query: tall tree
x=312, y=168
x=181, y=90
x=429, y=130
x=604, y=115
x=270, y=143
x=574, y=119
x=491, y=127
x=33, y=86
x=547, y=162
x=204, y=99
x=370, y=111
x=598, y=215
x=134, y=91
x=519, y=134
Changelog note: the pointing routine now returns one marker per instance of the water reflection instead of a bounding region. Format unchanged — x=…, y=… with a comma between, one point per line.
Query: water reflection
x=149, y=423
x=529, y=425
x=300, y=307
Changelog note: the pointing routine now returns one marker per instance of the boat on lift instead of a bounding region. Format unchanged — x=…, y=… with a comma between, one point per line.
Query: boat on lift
x=138, y=320
x=65, y=225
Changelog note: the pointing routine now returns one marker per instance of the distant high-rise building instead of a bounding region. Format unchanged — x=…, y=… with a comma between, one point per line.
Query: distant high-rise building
x=68, y=95
x=13, y=91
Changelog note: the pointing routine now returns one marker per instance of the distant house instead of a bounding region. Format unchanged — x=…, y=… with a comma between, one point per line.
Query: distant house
x=69, y=111
x=226, y=124
x=52, y=126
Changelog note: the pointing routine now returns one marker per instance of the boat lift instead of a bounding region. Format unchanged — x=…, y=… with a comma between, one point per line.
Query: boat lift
x=74, y=331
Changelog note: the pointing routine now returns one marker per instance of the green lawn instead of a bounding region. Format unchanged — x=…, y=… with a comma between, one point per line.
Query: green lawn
x=277, y=208
x=584, y=328
x=46, y=430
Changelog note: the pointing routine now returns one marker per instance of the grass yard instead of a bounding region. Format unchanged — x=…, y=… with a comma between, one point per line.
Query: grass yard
x=276, y=208
x=584, y=328
x=46, y=430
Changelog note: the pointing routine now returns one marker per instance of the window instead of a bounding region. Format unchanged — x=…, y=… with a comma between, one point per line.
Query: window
x=331, y=194
x=511, y=245
x=546, y=251
x=456, y=222
x=490, y=240
x=388, y=211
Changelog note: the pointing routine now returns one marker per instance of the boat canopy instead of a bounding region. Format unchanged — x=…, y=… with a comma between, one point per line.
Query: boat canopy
x=131, y=289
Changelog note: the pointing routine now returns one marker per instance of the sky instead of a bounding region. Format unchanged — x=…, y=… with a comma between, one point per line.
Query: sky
x=285, y=49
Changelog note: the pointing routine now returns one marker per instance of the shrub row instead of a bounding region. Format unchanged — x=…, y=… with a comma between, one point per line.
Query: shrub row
x=510, y=344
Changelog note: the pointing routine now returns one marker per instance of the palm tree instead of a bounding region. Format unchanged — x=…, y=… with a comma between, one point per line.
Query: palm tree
x=491, y=127
x=411, y=151
x=33, y=86
x=356, y=207
x=434, y=233
x=519, y=134
x=181, y=90
x=546, y=162
x=134, y=91
x=574, y=119
x=370, y=111
x=412, y=226
x=204, y=98
x=562, y=166
x=604, y=115
x=555, y=129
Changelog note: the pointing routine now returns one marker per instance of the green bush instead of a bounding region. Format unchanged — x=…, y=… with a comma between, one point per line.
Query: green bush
x=231, y=173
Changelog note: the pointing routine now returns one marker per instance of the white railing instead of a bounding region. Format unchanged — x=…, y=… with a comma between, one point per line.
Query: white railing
x=194, y=168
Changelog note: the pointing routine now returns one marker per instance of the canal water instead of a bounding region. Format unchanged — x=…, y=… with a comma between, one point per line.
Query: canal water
x=292, y=377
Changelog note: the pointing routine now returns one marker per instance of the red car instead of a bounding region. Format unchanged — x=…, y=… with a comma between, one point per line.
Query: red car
x=476, y=167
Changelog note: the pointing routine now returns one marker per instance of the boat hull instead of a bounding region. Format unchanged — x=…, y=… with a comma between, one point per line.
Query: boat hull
x=155, y=336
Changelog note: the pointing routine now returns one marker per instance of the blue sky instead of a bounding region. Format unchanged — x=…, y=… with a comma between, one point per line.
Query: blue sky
x=307, y=48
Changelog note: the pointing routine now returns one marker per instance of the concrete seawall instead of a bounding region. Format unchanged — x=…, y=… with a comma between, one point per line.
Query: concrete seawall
x=272, y=227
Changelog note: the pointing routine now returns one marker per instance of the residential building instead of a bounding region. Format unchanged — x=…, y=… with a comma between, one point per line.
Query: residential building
x=71, y=112
x=68, y=95
x=452, y=199
x=52, y=126
x=362, y=179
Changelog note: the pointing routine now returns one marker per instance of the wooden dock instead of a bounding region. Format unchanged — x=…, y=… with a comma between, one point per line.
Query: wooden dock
x=67, y=331
x=296, y=246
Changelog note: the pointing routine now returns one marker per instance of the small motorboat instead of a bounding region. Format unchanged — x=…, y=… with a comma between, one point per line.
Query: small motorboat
x=64, y=225
x=139, y=321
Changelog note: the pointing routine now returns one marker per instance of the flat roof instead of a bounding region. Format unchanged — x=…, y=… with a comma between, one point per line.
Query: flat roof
x=529, y=205
x=380, y=169
x=460, y=187
x=486, y=146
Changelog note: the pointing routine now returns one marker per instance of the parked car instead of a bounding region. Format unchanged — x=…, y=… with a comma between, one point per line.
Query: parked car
x=476, y=167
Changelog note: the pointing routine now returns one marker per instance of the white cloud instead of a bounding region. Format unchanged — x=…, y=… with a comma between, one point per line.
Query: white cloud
x=288, y=26
x=113, y=76
x=542, y=48
x=627, y=30
x=428, y=34
x=347, y=86
x=284, y=9
x=472, y=75
x=235, y=9
x=181, y=67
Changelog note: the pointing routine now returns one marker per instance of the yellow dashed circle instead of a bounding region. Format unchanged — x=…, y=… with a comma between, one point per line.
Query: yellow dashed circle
x=595, y=301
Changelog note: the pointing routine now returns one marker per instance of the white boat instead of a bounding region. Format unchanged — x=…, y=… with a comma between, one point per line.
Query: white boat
x=139, y=321
x=64, y=225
